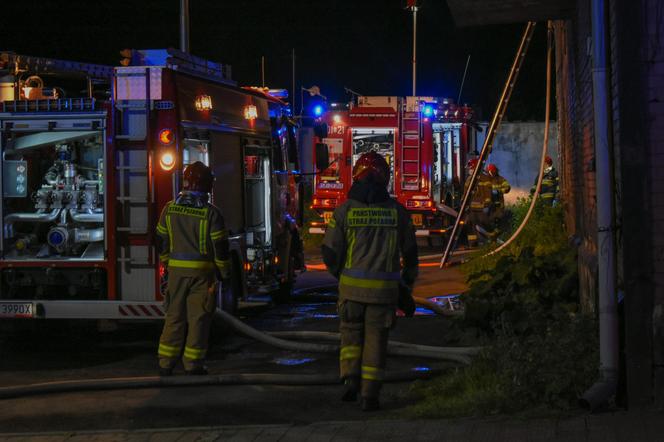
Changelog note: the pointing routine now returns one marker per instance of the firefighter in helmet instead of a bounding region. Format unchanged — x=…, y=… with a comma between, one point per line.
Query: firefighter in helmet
x=367, y=237
x=193, y=245
x=499, y=187
x=550, y=183
x=481, y=204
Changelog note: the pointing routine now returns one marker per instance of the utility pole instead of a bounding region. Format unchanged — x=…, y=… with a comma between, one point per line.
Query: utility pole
x=184, y=26
x=293, y=88
x=412, y=5
x=262, y=70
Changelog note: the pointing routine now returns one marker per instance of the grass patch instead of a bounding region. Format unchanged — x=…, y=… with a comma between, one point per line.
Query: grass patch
x=541, y=352
x=475, y=390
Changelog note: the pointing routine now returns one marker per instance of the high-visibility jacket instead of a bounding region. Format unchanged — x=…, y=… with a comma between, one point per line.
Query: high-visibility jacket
x=193, y=240
x=499, y=187
x=550, y=184
x=368, y=241
x=481, y=197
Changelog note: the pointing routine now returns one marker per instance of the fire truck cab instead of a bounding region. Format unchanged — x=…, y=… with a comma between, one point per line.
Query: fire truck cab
x=421, y=142
x=84, y=177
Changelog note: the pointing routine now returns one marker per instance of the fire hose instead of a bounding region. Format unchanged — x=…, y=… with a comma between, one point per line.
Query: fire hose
x=547, y=113
x=453, y=356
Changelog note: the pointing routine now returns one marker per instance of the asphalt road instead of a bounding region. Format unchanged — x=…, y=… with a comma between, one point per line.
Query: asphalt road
x=59, y=351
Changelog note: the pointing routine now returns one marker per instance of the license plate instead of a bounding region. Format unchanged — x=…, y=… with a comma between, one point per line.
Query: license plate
x=416, y=218
x=327, y=216
x=16, y=310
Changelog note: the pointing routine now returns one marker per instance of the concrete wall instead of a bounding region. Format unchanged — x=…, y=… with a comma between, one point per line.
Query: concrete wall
x=517, y=152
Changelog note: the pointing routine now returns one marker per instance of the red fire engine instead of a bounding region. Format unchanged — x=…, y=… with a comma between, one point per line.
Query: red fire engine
x=84, y=179
x=425, y=141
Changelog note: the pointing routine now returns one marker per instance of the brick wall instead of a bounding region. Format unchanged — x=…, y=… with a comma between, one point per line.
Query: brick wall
x=574, y=94
x=636, y=55
x=653, y=28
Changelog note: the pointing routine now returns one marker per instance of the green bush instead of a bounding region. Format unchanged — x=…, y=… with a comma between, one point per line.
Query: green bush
x=540, y=352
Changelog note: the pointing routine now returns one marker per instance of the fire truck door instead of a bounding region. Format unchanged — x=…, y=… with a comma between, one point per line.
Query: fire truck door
x=225, y=154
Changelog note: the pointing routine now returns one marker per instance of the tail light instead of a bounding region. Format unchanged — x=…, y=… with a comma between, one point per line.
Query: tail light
x=325, y=202
x=166, y=137
x=167, y=161
x=419, y=204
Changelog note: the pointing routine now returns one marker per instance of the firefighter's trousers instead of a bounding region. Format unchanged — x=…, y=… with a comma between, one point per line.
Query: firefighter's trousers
x=364, y=334
x=476, y=218
x=190, y=303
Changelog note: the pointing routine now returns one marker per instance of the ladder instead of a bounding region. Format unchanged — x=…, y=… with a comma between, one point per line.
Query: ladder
x=491, y=133
x=19, y=63
x=135, y=184
x=411, y=136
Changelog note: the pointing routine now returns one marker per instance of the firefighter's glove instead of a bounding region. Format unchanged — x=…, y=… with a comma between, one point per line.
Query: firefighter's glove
x=405, y=302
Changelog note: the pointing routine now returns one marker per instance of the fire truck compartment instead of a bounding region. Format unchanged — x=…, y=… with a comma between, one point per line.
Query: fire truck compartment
x=53, y=195
x=62, y=283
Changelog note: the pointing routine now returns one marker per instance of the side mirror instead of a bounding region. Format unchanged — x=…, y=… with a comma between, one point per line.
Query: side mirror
x=322, y=156
x=320, y=130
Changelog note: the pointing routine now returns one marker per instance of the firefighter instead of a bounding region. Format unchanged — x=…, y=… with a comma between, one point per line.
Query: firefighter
x=366, y=238
x=481, y=204
x=499, y=187
x=193, y=244
x=550, y=183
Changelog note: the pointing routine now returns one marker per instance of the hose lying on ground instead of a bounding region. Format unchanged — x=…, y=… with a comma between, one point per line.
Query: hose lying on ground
x=241, y=327
x=459, y=355
x=195, y=381
x=332, y=336
x=422, y=302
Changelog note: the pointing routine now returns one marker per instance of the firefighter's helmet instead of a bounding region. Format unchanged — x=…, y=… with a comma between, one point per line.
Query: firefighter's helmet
x=372, y=164
x=548, y=161
x=197, y=177
x=472, y=163
x=492, y=169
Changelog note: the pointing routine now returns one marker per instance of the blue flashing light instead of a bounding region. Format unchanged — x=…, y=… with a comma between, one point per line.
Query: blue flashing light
x=424, y=369
x=427, y=110
x=318, y=110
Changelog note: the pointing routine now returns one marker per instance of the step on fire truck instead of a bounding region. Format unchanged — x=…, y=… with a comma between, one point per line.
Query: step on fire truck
x=85, y=175
x=425, y=140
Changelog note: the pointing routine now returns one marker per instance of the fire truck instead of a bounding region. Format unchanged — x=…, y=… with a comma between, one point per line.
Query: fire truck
x=425, y=140
x=91, y=154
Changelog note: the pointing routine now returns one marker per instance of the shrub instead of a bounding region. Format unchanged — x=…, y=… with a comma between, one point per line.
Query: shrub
x=541, y=351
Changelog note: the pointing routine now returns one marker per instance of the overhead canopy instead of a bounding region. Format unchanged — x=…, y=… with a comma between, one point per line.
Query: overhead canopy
x=41, y=139
x=491, y=12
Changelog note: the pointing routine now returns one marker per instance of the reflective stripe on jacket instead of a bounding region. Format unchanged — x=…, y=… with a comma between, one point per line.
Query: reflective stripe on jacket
x=550, y=185
x=481, y=197
x=500, y=187
x=193, y=239
x=369, y=240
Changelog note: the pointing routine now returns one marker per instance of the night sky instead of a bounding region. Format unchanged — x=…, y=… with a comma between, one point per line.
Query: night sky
x=361, y=44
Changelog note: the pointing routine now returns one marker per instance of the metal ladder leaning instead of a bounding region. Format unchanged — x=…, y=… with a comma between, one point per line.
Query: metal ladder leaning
x=491, y=133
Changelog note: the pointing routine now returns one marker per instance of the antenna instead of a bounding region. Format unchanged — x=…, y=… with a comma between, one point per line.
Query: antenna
x=262, y=70
x=463, y=79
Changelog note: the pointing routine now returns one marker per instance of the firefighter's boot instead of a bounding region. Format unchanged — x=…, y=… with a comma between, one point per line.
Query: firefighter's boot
x=351, y=389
